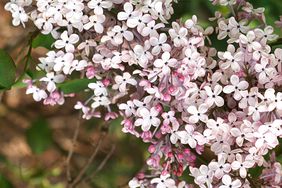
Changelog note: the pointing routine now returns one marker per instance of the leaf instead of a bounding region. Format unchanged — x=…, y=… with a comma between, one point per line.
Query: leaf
x=7, y=70
x=4, y=182
x=42, y=40
x=75, y=86
x=39, y=136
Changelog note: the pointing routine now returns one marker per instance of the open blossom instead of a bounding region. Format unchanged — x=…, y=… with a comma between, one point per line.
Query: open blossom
x=228, y=183
x=121, y=82
x=148, y=118
x=241, y=165
x=165, y=63
x=164, y=182
x=67, y=41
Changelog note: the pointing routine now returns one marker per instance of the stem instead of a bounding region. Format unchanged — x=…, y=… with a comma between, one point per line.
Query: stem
x=79, y=177
x=71, y=151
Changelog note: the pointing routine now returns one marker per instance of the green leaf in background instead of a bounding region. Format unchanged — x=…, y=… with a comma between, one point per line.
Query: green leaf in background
x=75, y=86
x=7, y=70
x=5, y=183
x=39, y=136
x=42, y=40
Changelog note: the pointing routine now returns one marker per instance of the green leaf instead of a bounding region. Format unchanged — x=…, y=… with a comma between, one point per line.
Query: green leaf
x=39, y=136
x=75, y=86
x=4, y=182
x=7, y=70
x=42, y=40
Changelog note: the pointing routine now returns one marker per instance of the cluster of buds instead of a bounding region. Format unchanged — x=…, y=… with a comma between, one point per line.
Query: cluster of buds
x=172, y=88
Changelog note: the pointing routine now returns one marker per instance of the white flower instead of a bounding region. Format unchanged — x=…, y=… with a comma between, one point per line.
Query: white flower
x=151, y=28
x=228, y=183
x=217, y=125
x=198, y=114
x=96, y=21
x=19, y=15
x=98, y=5
x=178, y=34
x=220, y=167
x=37, y=94
x=128, y=108
x=232, y=61
x=142, y=54
x=67, y=42
x=236, y=87
x=164, y=182
x=52, y=79
x=159, y=44
x=241, y=165
x=165, y=63
x=100, y=101
x=264, y=136
x=129, y=15
x=148, y=119
x=98, y=88
x=86, y=45
x=250, y=41
x=122, y=32
x=122, y=81
x=186, y=136
x=213, y=96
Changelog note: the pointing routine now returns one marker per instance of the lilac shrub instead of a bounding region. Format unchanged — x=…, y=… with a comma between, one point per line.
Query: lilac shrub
x=172, y=87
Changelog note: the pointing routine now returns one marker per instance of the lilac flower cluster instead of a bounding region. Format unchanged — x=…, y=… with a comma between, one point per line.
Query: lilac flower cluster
x=173, y=89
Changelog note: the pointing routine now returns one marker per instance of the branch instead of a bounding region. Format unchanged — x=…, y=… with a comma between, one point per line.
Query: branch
x=79, y=177
x=101, y=166
x=70, y=153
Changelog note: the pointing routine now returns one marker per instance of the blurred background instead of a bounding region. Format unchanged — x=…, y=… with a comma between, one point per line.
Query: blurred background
x=35, y=139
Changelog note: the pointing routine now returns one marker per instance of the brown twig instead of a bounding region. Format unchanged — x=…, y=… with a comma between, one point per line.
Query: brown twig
x=80, y=175
x=102, y=164
x=71, y=151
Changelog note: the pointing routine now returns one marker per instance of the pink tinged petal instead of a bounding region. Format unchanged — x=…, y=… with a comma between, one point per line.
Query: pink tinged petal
x=192, y=110
x=243, y=85
x=236, y=184
x=128, y=35
x=98, y=10
x=208, y=91
x=74, y=38
x=122, y=16
x=64, y=36
x=217, y=89
x=155, y=180
x=203, y=108
x=235, y=132
x=234, y=80
x=98, y=28
x=146, y=125
x=243, y=172
x=259, y=143
x=69, y=48
x=226, y=179
x=219, y=101
x=128, y=7
x=166, y=47
x=162, y=38
x=156, y=50
x=60, y=44
x=229, y=89
x=236, y=165
x=144, y=112
x=138, y=122
x=193, y=119
x=243, y=39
